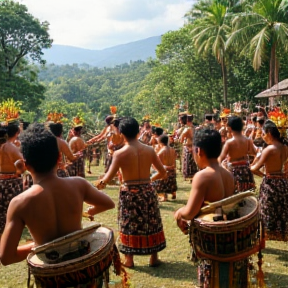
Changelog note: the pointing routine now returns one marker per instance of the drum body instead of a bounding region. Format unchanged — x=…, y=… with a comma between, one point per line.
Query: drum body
x=78, y=258
x=224, y=247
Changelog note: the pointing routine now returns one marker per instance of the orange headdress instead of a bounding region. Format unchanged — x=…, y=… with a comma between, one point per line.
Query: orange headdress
x=10, y=110
x=55, y=117
x=78, y=121
x=113, y=109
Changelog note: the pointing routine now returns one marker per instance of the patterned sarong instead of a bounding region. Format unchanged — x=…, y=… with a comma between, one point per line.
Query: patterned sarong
x=77, y=168
x=273, y=207
x=189, y=166
x=9, y=188
x=244, y=179
x=140, y=223
x=168, y=185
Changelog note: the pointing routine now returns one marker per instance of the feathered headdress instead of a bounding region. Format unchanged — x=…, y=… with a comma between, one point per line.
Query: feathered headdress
x=10, y=111
x=55, y=117
x=78, y=121
x=113, y=109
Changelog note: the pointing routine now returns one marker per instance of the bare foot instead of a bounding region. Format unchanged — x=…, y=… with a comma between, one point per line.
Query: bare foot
x=128, y=262
x=154, y=261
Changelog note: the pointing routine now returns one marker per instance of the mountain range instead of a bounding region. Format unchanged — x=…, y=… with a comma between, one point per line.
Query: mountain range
x=109, y=57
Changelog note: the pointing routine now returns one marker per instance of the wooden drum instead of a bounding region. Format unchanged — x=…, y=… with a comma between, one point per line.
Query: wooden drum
x=224, y=246
x=77, y=258
x=230, y=239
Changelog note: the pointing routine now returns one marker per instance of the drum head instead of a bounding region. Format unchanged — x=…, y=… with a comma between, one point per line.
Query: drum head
x=73, y=252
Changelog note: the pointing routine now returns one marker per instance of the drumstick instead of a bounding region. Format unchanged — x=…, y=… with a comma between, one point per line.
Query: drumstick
x=226, y=201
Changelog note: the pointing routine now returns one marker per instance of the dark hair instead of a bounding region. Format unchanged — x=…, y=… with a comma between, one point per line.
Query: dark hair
x=189, y=118
x=159, y=131
x=209, y=141
x=235, y=123
x=12, y=130
x=164, y=139
x=183, y=118
x=270, y=127
x=116, y=123
x=109, y=119
x=3, y=135
x=254, y=119
x=56, y=129
x=39, y=148
x=129, y=127
x=77, y=130
x=261, y=121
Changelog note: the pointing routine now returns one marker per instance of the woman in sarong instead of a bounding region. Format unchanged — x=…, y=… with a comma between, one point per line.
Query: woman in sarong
x=11, y=183
x=274, y=187
x=167, y=156
x=235, y=155
x=140, y=224
x=145, y=133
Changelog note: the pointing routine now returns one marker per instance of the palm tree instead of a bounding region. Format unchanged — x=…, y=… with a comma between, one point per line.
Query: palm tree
x=261, y=31
x=210, y=34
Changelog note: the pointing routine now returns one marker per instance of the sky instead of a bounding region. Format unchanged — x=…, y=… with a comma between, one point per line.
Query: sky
x=99, y=24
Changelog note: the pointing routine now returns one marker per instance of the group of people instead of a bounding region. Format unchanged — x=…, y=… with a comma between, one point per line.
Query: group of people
x=216, y=157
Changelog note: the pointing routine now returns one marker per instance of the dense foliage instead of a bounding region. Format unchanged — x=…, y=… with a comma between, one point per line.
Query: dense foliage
x=227, y=51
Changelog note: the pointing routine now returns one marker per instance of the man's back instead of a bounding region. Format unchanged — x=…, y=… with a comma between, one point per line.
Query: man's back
x=135, y=161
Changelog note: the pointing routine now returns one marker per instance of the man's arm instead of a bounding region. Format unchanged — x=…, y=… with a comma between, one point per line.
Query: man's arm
x=10, y=252
x=195, y=201
x=161, y=172
x=65, y=149
x=224, y=152
x=100, y=201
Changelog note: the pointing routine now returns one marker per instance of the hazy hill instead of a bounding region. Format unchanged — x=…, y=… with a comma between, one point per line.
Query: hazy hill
x=109, y=57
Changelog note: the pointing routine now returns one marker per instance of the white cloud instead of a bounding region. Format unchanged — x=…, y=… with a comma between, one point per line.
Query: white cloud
x=97, y=24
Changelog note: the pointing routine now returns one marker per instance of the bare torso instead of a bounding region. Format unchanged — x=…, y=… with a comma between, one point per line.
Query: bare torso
x=167, y=155
x=9, y=154
x=76, y=144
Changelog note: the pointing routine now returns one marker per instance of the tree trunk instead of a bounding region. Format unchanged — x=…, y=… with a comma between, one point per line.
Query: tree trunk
x=224, y=78
x=273, y=69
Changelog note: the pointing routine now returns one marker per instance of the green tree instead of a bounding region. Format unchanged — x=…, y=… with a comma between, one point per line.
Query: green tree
x=210, y=33
x=20, y=35
x=262, y=32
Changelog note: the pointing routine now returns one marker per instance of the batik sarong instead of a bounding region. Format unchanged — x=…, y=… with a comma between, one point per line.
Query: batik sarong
x=62, y=173
x=244, y=179
x=140, y=223
x=77, y=168
x=9, y=188
x=273, y=206
x=189, y=166
x=168, y=185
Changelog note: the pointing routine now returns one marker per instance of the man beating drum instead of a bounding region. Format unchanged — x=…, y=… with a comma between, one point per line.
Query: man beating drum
x=53, y=206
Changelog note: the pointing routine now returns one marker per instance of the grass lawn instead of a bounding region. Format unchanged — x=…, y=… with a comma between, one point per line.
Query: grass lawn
x=177, y=271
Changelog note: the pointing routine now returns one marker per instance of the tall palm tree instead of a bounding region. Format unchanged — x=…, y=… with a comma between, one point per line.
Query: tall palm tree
x=261, y=31
x=210, y=34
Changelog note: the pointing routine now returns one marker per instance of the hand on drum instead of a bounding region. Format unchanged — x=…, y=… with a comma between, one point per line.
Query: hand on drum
x=181, y=223
x=89, y=213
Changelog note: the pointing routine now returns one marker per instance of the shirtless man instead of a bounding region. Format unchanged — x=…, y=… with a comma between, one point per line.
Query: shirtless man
x=77, y=145
x=167, y=156
x=139, y=214
x=11, y=183
x=53, y=206
x=64, y=149
x=212, y=183
x=236, y=153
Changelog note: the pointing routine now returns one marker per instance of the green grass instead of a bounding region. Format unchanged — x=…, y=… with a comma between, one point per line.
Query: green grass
x=177, y=271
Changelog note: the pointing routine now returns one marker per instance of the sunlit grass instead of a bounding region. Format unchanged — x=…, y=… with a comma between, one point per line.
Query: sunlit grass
x=177, y=270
